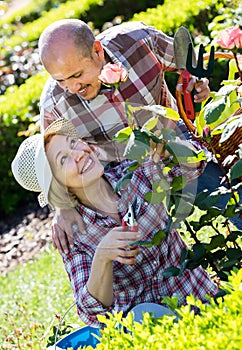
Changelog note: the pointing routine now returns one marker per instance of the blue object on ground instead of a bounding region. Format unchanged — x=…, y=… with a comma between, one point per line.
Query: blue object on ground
x=156, y=311
x=81, y=337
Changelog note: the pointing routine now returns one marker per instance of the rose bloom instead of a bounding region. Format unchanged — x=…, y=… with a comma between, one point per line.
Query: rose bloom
x=113, y=74
x=230, y=38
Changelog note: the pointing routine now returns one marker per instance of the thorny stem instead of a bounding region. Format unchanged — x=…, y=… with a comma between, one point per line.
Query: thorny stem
x=189, y=229
x=237, y=64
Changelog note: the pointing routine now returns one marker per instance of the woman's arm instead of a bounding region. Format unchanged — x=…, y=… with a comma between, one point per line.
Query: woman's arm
x=113, y=247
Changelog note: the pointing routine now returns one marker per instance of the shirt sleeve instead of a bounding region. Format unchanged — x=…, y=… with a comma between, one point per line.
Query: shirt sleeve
x=164, y=49
x=78, y=266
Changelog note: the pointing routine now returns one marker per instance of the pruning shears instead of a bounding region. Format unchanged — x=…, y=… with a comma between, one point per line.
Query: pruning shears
x=129, y=219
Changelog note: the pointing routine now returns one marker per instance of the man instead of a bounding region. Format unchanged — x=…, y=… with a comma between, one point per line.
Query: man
x=74, y=58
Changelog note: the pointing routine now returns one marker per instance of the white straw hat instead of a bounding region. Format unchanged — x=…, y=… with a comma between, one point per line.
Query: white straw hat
x=30, y=166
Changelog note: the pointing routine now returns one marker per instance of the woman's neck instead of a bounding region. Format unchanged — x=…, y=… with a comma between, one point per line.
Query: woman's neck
x=100, y=197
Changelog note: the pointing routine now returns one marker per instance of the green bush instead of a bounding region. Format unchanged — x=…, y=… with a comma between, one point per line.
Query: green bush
x=18, y=110
x=218, y=326
x=32, y=30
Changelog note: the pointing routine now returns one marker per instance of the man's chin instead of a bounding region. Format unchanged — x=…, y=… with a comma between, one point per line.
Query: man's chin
x=88, y=97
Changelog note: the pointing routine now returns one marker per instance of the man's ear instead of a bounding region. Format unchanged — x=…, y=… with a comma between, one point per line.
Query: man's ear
x=98, y=49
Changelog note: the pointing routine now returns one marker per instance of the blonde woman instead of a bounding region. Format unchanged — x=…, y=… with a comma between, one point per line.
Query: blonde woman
x=106, y=271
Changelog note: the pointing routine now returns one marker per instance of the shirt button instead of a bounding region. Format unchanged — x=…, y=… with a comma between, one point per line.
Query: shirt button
x=155, y=278
x=155, y=262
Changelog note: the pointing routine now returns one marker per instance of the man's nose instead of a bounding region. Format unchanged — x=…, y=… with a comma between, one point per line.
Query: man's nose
x=73, y=85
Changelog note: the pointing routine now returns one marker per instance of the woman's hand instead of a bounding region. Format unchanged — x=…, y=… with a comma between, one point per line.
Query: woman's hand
x=115, y=246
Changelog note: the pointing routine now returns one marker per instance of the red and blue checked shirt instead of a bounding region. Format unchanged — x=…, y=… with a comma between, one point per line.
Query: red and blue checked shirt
x=147, y=54
x=142, y=282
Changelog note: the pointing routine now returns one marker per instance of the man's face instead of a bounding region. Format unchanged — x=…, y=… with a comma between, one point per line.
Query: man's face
x=76, y=73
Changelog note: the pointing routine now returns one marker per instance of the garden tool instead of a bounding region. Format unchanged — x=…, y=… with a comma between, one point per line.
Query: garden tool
x=199, y=71
x=182, y=39
x=129, y=219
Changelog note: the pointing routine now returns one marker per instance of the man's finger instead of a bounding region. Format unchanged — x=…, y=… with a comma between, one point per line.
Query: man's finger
x=60, y=239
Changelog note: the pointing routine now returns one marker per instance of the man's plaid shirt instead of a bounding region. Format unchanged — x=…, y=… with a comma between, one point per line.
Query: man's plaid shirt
x=147, y=54
x=142, y=282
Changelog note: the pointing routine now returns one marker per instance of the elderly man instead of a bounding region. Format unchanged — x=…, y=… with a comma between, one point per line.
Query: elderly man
x=75, y=58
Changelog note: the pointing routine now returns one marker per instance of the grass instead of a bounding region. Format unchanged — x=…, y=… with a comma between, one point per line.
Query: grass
x=32, y=297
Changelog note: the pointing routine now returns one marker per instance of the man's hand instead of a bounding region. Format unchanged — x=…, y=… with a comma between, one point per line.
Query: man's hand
x=66, y=225
x=202, y=89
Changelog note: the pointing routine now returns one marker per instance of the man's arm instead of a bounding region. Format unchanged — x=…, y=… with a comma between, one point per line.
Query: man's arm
x=66, y=225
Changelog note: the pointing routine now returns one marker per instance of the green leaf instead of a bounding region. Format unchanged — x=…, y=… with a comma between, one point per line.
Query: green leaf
x=156, y=109
x=230, y=128
x=205, y=200
x=183, y=153
x=198, y=251
x=158, y=237
x=160, y=186
x=154, y=197
x=184, y=255
x=123, y=182
x=171, y=114
x=233, y=236
x=178, y=183
x=168, y=134
x=132, y=167
x=138, y=146
x=156, y=240
x=234, y=253
x=123, y=135
x=226, y=90
x=216, y=242
x=213, y=111
x=151, y=123
x=236, y=170
x=171, y=271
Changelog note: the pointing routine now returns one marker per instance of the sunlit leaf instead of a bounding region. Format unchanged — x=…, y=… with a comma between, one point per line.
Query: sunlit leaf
x=151, y=123
x=123, y=135
x=230, y=128
x=214, y=110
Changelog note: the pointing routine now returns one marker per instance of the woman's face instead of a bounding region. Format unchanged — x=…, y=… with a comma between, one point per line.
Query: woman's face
x=73, y=163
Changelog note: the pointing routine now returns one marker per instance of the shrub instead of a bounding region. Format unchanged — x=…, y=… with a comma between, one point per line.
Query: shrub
x=216, y=327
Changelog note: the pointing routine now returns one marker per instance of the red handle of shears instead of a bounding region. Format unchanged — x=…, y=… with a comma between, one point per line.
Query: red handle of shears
x=130, y=228
x=188, y=101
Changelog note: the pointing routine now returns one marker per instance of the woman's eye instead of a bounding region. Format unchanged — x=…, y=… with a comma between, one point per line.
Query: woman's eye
x=73, y=142
x=63, y=160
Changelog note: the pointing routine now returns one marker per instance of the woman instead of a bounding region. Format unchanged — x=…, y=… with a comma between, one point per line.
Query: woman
x=107, y=271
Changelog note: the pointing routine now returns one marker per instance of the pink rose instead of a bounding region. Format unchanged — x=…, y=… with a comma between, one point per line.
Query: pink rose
x=112, y=74
x=230, y=38
x=206, y=132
